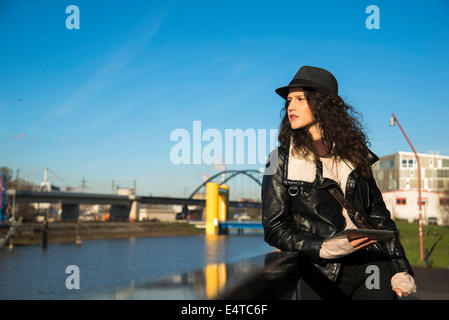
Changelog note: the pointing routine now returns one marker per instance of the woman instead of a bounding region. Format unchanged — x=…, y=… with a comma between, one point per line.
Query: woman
x=322, y=146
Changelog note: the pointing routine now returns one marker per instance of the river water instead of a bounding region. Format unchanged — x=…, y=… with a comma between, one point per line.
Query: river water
x=106, y=265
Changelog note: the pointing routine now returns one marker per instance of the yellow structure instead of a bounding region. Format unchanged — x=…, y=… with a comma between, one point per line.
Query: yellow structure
x=215, y=274
x=223, y=202
x=215, y=279
x=134, y=212
x=217, y=202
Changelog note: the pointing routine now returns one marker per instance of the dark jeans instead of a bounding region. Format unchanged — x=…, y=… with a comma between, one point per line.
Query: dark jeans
x=364, y=275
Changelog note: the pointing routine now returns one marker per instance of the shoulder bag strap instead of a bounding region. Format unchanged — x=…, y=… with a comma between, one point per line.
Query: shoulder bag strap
x=349, y=208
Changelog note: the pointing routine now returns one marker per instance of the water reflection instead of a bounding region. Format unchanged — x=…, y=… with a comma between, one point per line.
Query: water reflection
x=116, y=269
x=215, y=248
x=215, y=279
x=269, y=276
x=208, y=283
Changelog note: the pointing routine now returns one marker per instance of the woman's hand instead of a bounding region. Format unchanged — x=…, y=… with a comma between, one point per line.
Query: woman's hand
x=358, y=243
x=403, y=284
x=400, y=293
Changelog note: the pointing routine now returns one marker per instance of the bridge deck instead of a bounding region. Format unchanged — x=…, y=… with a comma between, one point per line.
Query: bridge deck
x=23, y=196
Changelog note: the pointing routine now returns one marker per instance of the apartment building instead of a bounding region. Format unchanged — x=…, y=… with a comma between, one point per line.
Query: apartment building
x=397, y=177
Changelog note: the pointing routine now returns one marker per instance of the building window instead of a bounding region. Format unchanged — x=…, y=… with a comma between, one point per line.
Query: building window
x=445, y=163
x=444, y=201
x=443, y=173
x=410, y=163
x=401, y=201
x=386, y=164
x=424, y=202
x=404, y=163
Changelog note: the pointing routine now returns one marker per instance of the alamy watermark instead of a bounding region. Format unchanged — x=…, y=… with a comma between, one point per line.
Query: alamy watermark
x=373, y=280
x=231, y=149
x=73, y=20
x=72, y=282
x=373, y=20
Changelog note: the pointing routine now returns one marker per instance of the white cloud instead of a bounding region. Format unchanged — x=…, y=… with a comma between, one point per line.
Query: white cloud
x=19, y=136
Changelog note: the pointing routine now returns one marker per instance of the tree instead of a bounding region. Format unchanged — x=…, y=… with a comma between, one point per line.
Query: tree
x=20, y=184
x=13, y=183
x=24, y=210
x=7, y=172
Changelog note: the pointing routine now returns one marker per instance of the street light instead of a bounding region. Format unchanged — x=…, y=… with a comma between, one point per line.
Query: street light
x=392, y=121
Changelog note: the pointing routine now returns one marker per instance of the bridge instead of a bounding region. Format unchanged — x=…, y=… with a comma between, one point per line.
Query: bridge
x=120, y=205
x=126, y=206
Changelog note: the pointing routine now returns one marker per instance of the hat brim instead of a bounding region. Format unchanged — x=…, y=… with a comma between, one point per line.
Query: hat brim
x=283, y=91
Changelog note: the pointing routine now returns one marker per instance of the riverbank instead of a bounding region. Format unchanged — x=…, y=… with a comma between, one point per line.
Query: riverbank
x=436, y=238
x=65, y=232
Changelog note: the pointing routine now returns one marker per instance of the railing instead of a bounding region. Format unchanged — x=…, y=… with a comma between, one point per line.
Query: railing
x=277, y=278
x=241, y=225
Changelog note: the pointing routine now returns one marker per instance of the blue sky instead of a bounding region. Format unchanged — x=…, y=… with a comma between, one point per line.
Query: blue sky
x=101, y=101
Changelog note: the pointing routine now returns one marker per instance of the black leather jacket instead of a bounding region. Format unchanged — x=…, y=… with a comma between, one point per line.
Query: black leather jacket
x=299, y=215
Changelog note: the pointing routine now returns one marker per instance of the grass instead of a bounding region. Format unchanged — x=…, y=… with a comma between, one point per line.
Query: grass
x=31, y=233
x=437, y=236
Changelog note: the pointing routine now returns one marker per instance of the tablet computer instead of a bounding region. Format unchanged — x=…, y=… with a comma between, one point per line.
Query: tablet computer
x=364, y=233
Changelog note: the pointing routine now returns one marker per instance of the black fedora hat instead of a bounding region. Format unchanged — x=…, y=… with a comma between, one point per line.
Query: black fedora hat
x=311, y=77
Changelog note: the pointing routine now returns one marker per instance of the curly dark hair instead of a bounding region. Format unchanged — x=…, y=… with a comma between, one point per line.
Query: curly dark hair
x=340, y=125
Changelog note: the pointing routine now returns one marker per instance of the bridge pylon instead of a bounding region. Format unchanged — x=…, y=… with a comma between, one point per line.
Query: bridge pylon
x=217, y=204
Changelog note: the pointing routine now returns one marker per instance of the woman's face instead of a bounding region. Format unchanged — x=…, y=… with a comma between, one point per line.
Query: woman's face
x=298, y=109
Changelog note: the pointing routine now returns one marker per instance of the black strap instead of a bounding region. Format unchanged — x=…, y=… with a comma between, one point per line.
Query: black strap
x=344, y=203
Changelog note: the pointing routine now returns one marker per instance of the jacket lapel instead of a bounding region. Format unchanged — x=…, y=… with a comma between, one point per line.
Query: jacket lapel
x=299, y=170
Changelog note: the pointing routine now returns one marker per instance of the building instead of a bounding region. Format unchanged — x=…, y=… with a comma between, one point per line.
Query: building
x=397, y=177
x=159, y=214
x=125, y=191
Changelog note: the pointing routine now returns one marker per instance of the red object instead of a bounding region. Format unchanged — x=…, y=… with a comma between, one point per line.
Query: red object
x=419, y=191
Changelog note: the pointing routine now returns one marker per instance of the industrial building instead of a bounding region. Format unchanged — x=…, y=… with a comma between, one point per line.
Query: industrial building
x=397, y=178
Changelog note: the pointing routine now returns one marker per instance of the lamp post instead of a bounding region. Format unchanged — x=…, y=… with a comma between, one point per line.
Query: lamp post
x=392, y=121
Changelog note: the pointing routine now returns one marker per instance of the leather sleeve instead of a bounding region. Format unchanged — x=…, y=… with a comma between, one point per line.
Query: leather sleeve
x=380, y=217
x=276, y=216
